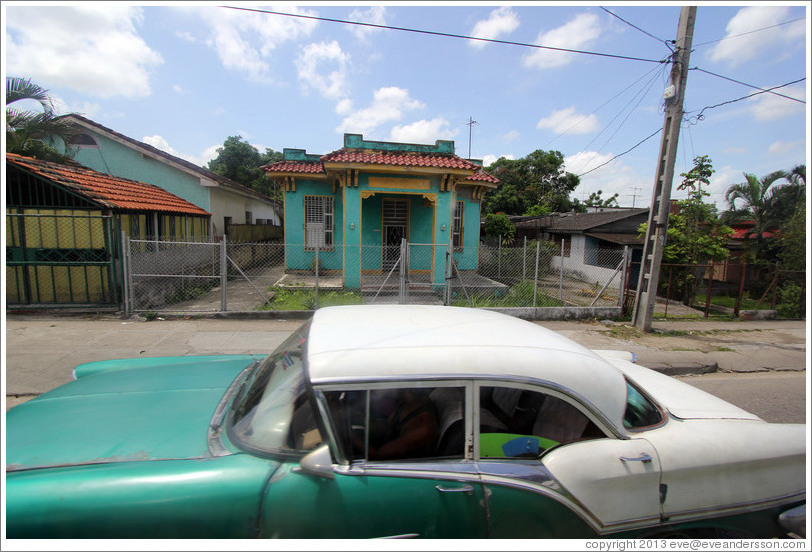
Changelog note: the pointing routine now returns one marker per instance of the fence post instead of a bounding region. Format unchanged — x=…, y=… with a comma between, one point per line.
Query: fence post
x=223, y=274
x=738, y=305
x=561, y=275
x=710, y=288
x=125, y=270
x=667, y=292
x=524, y=260
x=316, y=303
x=536, y=276
x=499, y=257
x=622, y=288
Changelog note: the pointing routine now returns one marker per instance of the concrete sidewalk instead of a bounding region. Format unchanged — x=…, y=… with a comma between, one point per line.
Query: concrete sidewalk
x=41, y=351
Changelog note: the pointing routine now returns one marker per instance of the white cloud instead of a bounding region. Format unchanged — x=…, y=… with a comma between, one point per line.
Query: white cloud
x=314, y=68
x=178, y=89
x=769, y=107
x=567, y=121
x=577, y=34
x=780, y=147
x=500, y=22
x=735, y=150
x=388, y=104
x=93, y=49
x=613, y=178
x=344, y=107
x=773, y=43
x=423, y=132
x=158, y=141
x=244, y=41
x=490, y=159
x=510, y=136
x=375, y=15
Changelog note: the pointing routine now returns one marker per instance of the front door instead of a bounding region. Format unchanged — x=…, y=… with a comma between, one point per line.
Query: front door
x=395, y=230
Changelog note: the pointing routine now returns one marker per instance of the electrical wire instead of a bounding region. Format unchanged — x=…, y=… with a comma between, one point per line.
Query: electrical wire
x=667, y=43
x=749, y=85
x=604, y=104
x=449, y=35
x=749, y=32
x=638, y=144
x=699, y=117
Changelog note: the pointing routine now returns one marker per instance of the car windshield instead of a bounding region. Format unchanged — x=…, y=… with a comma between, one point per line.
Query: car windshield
x=273, y=411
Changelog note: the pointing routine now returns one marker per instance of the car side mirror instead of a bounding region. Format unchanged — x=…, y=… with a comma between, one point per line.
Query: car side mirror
x=318, y=462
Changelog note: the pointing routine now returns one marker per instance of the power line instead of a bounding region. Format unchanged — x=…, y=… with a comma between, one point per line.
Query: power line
x=700, y=116
x=449, y=35
x=638, y=144
x=666, y=42
x=749, y=32
x=750, y=85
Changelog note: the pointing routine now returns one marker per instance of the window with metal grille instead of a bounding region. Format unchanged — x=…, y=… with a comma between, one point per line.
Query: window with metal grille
x=318, y=222
x=457, y=225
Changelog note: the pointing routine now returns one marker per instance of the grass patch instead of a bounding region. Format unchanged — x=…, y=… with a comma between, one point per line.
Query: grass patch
x=293, y=299
x=519, y=295
x=730, y=302
x=725, y=350
x=625, y=331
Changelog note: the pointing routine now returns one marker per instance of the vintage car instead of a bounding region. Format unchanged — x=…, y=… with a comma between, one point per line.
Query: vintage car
x=398, y=421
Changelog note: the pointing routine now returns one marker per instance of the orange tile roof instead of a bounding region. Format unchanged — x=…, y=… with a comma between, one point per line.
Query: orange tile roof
x=108, y=191
x=402, y=159
x=299, y=167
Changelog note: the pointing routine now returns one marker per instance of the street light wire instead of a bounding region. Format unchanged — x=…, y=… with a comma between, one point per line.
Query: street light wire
x=449, y=35
x=699, y=116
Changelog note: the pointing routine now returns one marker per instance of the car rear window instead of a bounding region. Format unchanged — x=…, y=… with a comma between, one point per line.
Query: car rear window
x=640, y=411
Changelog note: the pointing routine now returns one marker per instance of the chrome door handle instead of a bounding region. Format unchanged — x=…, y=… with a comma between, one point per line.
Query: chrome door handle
x=644, y=458
x=463, y=489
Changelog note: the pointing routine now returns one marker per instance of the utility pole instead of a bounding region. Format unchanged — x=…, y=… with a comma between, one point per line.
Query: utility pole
x=470, y=124
x=657, y=227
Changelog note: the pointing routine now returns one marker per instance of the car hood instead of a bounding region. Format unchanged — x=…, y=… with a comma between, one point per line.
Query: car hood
x=679, y=398
x=137, y=409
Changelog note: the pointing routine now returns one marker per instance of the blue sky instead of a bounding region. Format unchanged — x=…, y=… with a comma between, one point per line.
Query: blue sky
x=184, y=77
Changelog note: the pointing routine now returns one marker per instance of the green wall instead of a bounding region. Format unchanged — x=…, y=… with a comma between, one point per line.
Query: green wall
x=119, y=160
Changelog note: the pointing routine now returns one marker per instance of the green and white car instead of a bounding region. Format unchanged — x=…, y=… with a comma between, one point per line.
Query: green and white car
x=397, y=421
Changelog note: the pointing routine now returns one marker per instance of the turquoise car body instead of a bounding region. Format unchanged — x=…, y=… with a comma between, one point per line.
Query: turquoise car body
x=157, y=448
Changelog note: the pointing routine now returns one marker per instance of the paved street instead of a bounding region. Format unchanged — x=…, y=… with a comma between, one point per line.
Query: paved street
x=42, y=351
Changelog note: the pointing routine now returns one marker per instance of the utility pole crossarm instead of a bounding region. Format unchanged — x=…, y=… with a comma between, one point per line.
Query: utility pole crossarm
x=657, y=227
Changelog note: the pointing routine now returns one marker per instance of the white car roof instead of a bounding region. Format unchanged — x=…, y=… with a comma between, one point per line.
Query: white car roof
x=375, y=342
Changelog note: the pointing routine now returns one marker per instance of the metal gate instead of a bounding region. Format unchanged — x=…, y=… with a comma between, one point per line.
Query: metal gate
x=412, y=275
x=61, y=260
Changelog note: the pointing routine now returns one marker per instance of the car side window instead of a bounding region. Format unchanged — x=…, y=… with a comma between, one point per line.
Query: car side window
x=399, y=423
x=519, y=423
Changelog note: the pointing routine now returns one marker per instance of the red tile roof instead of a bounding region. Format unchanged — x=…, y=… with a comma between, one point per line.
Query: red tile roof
x=482, y=176
x=108, y=191
x=299, y=167
x=401, y=159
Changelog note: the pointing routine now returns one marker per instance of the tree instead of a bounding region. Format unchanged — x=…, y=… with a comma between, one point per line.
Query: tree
x=533, y=185
x=757, y=203
x=498, y=224
x=695, y=233
x=30, y=133
x=595, y=200
x=241, y=162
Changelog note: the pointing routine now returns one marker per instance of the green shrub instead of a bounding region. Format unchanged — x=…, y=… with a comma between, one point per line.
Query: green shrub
x=790, y=300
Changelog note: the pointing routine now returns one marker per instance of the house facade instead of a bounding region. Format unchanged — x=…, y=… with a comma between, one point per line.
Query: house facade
x=229, y=202
x=63, y=230
x=591, y=242
x=358, y=204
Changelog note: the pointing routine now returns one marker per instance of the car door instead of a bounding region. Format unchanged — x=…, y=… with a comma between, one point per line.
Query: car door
x=575, y=480
x=435, y=492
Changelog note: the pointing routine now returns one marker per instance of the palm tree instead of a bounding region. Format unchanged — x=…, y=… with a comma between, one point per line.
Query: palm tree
x=30, y=133
x=756, y=199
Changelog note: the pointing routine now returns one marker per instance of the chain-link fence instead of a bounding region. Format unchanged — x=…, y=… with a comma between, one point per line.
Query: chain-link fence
x=212, y=277
x=543, y=274
x=729, y=289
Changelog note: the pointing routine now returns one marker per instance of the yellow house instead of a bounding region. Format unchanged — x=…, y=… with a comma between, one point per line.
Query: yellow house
x=63, y=231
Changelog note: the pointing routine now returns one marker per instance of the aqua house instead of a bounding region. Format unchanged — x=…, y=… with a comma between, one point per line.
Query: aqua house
x=358, y=205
